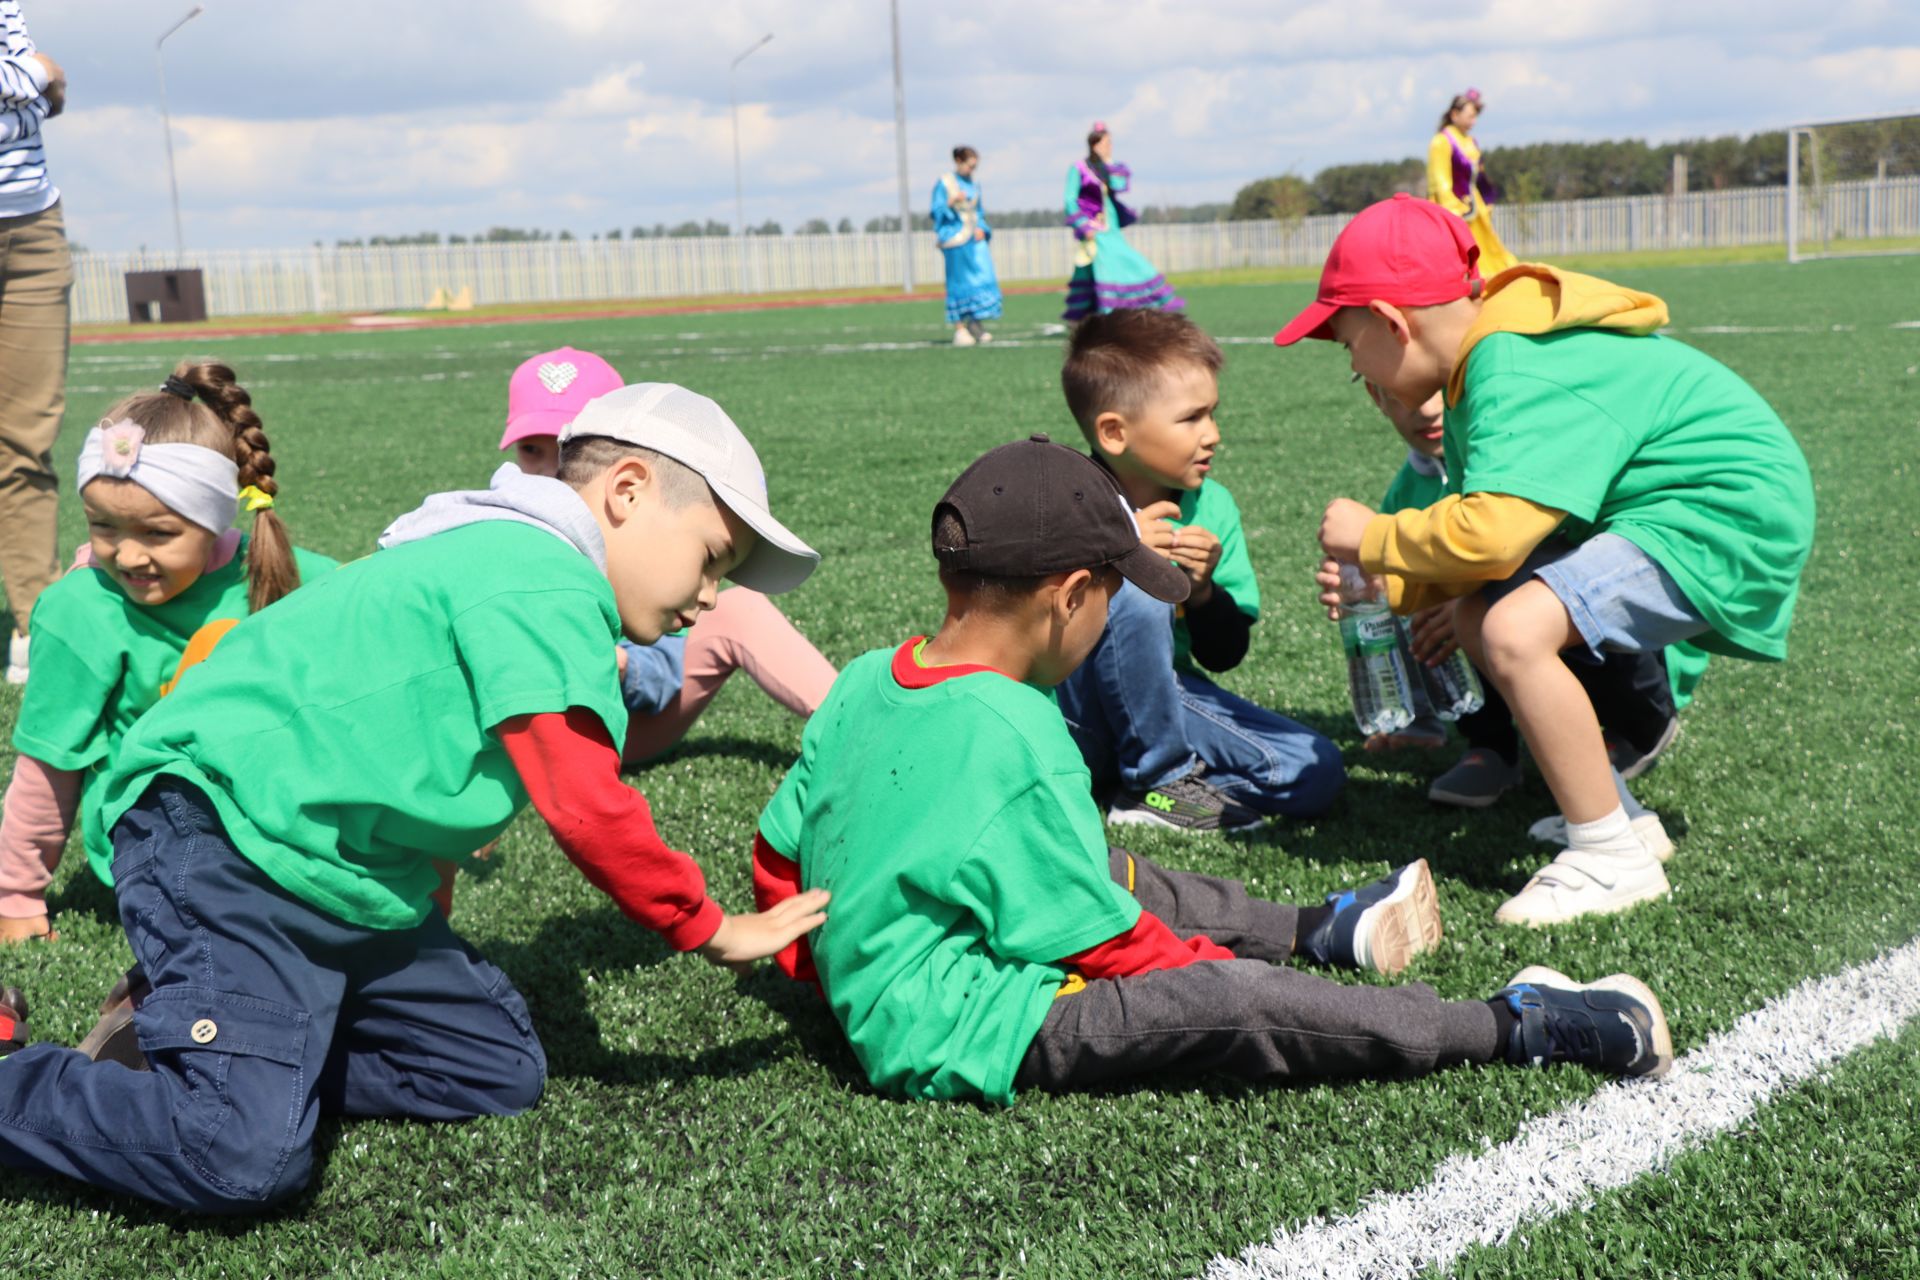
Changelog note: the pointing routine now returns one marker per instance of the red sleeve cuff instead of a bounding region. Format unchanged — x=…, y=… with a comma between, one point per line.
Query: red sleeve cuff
x=696, y=928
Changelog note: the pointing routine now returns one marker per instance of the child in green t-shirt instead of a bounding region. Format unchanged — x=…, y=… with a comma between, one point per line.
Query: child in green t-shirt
x=277, y=818
x=162, y=576
x=1169, y=745
x=1632, y=693
x=1608, y=489
x=985, y=939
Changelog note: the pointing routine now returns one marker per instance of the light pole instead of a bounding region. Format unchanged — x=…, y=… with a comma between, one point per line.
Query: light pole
x=733, y=106
x=900, y=145
x=166, y=126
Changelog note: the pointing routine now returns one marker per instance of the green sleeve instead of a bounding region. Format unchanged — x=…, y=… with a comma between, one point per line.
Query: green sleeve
x=1213, y=508
x=1530, y=437
x=1411, y=490
x=541, y=650
x=63, y=714
x=1037, y=878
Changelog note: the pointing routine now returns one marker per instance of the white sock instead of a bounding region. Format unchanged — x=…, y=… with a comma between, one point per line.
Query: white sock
x=1612, y=835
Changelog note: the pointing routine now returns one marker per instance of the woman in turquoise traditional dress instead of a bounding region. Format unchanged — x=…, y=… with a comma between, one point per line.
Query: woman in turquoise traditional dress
x=960, y=225
x=1108, y=273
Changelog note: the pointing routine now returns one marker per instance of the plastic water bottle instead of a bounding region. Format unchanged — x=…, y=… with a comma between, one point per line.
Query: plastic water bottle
x=1452, y=688
x=1377, y=672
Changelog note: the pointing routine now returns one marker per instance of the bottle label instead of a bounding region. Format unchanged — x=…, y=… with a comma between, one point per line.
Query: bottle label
x=1376, y=634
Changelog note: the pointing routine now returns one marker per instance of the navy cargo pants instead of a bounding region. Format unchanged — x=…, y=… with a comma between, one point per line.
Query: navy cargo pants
x=265, y=1012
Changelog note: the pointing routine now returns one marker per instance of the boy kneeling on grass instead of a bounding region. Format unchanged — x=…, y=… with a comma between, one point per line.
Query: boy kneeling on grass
x=275, y=820
x=985, y=939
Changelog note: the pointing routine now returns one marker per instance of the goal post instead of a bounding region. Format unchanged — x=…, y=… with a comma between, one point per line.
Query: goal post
x=1853, y=187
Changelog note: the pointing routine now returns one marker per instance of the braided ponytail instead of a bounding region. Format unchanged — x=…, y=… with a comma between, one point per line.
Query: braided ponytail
x=271, y=570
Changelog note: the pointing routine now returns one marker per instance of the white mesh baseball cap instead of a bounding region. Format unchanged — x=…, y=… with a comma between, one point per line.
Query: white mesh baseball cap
x=697, y=433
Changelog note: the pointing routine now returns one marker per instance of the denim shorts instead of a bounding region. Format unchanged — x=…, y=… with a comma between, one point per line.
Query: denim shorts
x=1619, y=597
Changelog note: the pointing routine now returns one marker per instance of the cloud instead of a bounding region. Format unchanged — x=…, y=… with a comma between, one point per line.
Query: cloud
x=301, y=122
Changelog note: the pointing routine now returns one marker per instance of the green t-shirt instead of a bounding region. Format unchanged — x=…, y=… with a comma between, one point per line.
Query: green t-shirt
x=955, y=826
x=1649, y=439
x=99, y=661
x=344, y=735
x=1213, y=509
x=1413, y=489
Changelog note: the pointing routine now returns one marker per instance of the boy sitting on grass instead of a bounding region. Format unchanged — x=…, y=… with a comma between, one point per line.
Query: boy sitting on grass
x=1179, y=750
x=276, y=817
x=984, y=938
x=1608, y=489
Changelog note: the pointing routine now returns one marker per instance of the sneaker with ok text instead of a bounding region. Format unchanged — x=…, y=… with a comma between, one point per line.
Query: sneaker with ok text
x=1185, y=804
x=1381, y=926
x=1614, y=1025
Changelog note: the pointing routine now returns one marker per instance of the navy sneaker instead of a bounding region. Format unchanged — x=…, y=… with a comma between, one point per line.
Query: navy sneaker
x=1185, y=804
x=13, y=1021
x=1614, y=1025
x=1381, y=926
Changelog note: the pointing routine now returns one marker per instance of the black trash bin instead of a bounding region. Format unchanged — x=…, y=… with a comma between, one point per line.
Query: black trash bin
x=166, y=296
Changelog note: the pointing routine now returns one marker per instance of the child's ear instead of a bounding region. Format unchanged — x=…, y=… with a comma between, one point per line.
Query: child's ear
x=1110, y=434
x=1397, y=321
x=1071, y=595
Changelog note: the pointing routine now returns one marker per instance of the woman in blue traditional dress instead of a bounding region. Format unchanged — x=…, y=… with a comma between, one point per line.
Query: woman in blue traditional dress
x=1108, y=273
x=973, y=292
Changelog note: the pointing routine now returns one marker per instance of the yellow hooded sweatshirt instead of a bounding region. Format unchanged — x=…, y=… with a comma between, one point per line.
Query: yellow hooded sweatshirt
x=1431, y=555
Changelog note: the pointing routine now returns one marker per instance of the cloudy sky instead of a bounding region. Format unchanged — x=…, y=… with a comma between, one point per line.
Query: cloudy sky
x=298, y=120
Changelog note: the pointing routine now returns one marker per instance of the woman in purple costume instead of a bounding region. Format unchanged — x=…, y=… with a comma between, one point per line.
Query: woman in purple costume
x=1108, y=273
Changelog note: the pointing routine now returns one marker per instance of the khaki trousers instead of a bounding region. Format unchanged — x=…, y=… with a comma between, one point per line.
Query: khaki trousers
x=36, y=279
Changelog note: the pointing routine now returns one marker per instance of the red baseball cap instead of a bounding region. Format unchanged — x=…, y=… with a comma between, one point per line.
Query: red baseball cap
x=1406, y=251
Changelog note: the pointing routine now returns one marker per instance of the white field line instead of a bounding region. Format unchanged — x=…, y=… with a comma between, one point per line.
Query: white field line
x=1559, y=1162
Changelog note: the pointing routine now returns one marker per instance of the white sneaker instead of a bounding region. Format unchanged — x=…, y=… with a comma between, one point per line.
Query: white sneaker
x=1581, y=882
x=985, y=336
x=1553, y=830
x=962, y=338
x=17, y=659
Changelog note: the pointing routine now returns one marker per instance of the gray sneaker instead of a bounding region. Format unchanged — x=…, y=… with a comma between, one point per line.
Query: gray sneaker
x=1631, y=763
x=1478, y=779
x=1185, y=804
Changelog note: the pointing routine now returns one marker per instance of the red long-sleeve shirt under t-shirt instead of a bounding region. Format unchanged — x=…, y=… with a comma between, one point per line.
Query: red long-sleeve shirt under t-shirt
x=571, y=770
x=1148, y=946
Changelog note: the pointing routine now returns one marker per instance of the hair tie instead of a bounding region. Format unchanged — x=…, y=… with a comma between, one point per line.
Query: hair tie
x=1471, y=95
x=1099, y=126
x=175, y=385
x=254, y=498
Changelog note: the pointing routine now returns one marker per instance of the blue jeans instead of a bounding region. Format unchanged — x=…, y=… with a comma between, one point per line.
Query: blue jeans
x=1141, y=723
x=654, y=674
x=265, y=1012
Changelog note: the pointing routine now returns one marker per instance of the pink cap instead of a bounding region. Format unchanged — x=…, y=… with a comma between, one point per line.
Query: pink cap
x=1406, y=251
x=548, y=391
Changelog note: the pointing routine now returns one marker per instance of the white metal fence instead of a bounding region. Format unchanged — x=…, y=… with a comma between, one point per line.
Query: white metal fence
x=292, y=281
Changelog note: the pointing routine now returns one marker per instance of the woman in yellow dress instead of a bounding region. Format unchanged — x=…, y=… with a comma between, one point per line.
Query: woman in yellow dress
x=1455, y=181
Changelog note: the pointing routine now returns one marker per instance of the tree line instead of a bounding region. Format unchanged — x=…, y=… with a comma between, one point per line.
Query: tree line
x=1524, y=174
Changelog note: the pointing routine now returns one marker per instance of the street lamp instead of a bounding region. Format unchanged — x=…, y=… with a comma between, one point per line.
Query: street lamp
x=166, y=125
x=900, y=147
x=733, y=104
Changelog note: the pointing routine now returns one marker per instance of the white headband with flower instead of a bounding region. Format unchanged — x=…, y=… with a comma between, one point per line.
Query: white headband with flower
x=193, y=481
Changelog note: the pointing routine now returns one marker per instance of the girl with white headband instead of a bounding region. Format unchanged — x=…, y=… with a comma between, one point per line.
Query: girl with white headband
x=164, y=575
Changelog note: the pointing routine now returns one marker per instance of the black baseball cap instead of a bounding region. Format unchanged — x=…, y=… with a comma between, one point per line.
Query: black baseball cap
x=1034, y=507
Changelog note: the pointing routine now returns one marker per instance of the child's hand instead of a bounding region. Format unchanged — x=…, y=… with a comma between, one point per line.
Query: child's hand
x=1327, y=578
x=1342, y=526
x=743, y=939
x=1197, y=552
x=1156, y=529
x=620, y=659
x=1432, y=631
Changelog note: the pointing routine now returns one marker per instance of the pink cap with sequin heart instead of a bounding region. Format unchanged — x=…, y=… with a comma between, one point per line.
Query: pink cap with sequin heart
x=548, y=391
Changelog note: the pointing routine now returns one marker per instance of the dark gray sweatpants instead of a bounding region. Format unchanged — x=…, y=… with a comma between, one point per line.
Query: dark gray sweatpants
x=1249, y=1017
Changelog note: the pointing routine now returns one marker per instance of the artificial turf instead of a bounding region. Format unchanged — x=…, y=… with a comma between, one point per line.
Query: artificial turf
x=698, y=1124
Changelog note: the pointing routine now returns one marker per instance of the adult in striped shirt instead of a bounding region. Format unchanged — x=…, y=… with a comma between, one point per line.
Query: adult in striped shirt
x=36, y=277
